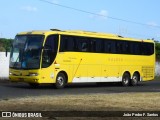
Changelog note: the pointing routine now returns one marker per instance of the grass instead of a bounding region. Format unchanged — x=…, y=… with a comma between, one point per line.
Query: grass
x=90, y=102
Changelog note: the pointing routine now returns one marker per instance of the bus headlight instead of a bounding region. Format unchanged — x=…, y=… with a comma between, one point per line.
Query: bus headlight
x=33, y=74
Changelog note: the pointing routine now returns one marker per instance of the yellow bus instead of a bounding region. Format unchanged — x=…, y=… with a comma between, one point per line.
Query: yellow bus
x=64, y=57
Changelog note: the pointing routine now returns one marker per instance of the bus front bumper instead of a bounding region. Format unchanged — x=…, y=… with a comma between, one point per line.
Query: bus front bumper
x=26, y=79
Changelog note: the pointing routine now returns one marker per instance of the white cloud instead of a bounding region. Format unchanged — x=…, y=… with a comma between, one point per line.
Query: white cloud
x=29, y=8
x=154, y=24
x=100, y=15
x=103, y=13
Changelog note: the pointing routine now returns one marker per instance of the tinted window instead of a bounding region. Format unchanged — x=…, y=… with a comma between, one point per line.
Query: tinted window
x=83, y=44
x=109, y=46
x=96, y=45
x=67, y=44
x=137, y=48
x=150, y=48
x=73, y=43
x=92, y=45
x=49, y=51
x=126, y=47
x=99, y=46
x=147, y=48
x=119, y=47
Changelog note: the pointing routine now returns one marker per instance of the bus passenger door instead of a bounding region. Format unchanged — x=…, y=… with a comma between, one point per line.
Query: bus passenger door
x=48, y=57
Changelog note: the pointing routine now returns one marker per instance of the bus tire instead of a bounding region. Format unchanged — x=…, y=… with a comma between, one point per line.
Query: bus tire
x=126, y=79
x=60, y=81
x=135, y=79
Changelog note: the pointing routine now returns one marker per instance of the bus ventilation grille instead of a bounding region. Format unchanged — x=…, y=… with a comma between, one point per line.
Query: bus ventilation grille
x=148, y=71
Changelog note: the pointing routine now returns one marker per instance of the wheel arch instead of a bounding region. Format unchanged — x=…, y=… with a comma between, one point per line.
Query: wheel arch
x=138, y=73
x=127, y=72
x=65, y=73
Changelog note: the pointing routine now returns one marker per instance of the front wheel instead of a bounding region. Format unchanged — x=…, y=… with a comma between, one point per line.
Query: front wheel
x=60, y=81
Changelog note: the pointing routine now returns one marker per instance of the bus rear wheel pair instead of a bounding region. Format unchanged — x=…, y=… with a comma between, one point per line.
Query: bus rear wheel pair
x=126, y=79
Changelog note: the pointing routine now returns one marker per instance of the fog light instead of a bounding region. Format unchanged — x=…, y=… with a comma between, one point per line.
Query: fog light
x=35, y=80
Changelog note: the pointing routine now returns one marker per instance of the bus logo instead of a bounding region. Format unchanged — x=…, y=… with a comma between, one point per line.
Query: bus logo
x=6, y=114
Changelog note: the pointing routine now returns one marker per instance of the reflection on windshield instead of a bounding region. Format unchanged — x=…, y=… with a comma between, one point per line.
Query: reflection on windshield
x=26, y=51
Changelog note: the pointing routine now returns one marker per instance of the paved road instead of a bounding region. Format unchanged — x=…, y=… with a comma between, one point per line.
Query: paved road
x=12, y=90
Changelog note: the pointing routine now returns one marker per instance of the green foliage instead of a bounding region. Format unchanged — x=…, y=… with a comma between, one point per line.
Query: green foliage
x=5, y=44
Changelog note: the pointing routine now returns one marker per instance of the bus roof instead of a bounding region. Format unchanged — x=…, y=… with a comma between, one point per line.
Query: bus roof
x=81, y=33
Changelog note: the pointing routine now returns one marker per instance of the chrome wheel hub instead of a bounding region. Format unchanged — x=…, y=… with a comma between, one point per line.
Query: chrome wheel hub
x=60, y=81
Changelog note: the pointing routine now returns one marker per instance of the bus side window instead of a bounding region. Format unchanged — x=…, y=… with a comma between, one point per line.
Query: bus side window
x=92, y=45
x=119, y=47
x=82, y=44
x=95, y=45
x=84, y=47
x=150, y=48
x=63, y=44
x=143, y=48
x=78, y=45
x=107, y=47
x=70, y=43
x=126, y=47
x=147, y=48
x=99, y=46
x=136, y=48
x=67, y=44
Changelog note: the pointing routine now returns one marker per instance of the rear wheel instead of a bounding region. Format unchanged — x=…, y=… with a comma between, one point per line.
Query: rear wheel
x=135, y=79
x=60, y=81
x=126, y=79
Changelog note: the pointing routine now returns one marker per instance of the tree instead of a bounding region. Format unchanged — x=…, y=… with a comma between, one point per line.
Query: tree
x=5, y=44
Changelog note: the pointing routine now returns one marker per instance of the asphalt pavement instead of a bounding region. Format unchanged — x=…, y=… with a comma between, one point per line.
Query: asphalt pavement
x=14, y=90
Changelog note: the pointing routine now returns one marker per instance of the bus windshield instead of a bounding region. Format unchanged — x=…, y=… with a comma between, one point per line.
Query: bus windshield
x=26, y=52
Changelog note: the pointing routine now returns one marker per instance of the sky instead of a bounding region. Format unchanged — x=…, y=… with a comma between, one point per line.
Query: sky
x=26, y=15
